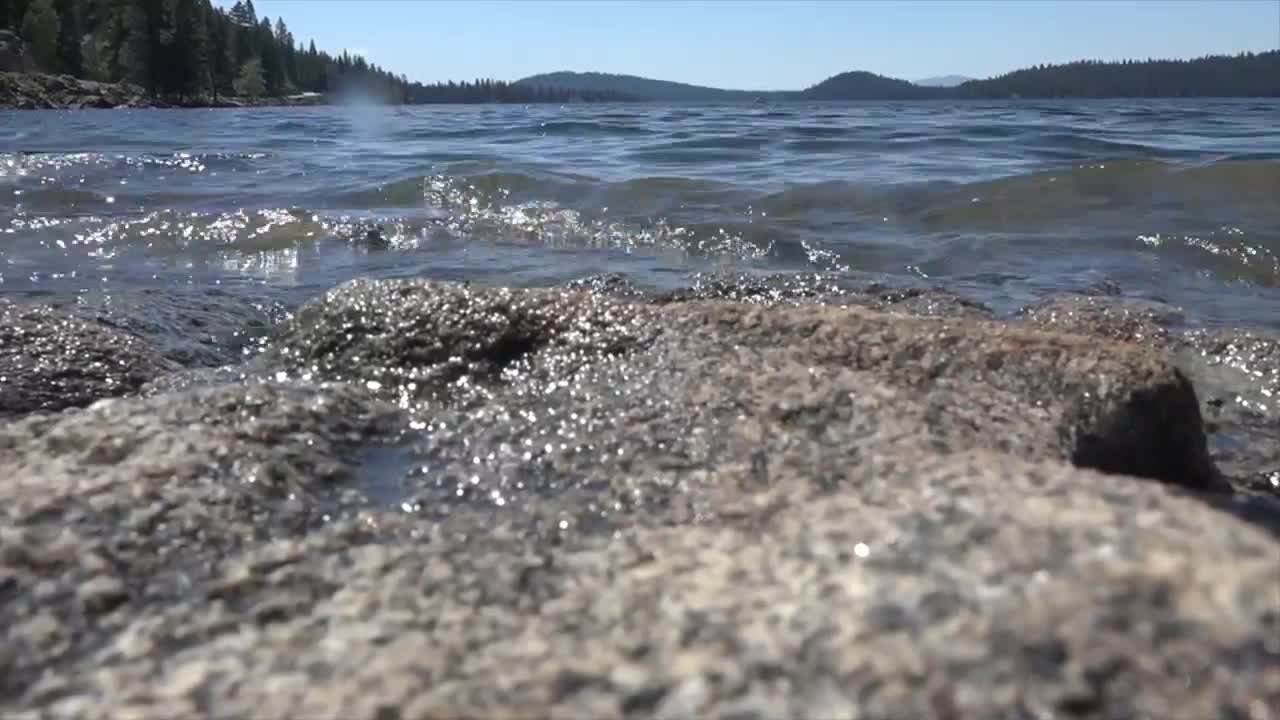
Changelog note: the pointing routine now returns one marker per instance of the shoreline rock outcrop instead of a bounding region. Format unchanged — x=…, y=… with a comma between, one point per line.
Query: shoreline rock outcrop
x=39, y=91
x=437, y=500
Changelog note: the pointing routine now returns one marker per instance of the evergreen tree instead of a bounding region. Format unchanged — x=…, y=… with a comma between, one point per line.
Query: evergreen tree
x=191, y=43
x=243, y=16
x=70, y=58
x=270, y=56
x=250, y=82
x=12, y=13
x=40, y=30
x=222, y=56
x=147, y=55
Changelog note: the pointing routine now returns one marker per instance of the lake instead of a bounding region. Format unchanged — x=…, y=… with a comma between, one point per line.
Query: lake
x=1002, y=202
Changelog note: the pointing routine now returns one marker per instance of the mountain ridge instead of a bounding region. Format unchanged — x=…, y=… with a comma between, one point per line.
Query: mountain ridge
x=1242, y=75
x=639, y=87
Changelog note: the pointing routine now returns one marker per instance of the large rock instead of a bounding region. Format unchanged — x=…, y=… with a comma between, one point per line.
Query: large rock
x=698, y=509
x=1119, y=408
x=1236, y=373
x=194, y=327
x=37, y=91
x=51, y=360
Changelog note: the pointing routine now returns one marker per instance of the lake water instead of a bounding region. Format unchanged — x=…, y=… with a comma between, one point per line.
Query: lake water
x=1003, y=202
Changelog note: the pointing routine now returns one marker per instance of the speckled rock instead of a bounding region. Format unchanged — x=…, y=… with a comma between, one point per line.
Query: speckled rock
x=697, y=509
x=808, y=289
x=449, y=341
x=1116, y=318
x=51, y=360
x=192, y=326
x=1236, y=374
x=132, y=503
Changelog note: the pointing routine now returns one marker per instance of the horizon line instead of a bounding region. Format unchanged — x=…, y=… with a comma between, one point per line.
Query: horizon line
x=872, y=72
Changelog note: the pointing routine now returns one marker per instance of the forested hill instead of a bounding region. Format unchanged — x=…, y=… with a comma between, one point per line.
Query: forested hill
x=192, y=50
x=860, y=85
x=1243, y=75
x=641, y=88
x=184, y=48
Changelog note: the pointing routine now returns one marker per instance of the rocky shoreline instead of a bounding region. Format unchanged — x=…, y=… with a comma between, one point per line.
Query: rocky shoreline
x=36, y=91
x=750, y=498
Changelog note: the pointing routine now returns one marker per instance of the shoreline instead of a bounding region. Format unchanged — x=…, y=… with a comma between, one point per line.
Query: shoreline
x=41, y=91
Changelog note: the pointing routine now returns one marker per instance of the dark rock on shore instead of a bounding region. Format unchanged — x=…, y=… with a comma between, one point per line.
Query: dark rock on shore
x=51, y=360
x=38, y=91
x=194, y=327
x=433, y=500
x=35, y=91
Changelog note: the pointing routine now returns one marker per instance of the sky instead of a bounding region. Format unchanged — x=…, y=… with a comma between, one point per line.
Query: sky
x=765, y=45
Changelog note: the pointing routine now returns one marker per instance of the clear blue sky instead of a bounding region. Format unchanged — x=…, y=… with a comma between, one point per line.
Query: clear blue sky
x=788, y=44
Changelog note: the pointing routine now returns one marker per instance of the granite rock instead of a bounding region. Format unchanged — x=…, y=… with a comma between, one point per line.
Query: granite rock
x=51, y=360
x=1236, y=373
x=429, y=500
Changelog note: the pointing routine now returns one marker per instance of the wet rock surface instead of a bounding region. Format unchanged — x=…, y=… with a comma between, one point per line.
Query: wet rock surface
x=741, y=500
x=51, y=359
x=1236, y=373
x=205, y=327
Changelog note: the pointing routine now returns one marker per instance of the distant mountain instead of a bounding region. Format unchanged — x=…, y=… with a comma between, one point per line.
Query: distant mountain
x=862, y=85
x=643, y=88
x=1243, y=75
x=943, y=81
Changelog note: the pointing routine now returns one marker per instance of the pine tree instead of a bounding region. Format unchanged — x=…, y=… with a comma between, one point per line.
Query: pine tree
x=16, y=13
x=242, y=15
x=269, y=54
x=222, y=56
x=191, y=43
x=70, y=58
x=250, y=82
x=40, y=30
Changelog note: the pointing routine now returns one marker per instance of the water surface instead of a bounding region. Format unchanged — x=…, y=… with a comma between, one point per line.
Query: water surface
x=1178, y=200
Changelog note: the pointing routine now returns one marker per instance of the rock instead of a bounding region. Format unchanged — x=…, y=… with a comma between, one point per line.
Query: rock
x=1236, y=374
x=51, y=360
x=695, y=509
x=33, y=91
x=22, y=89
x=818, y=289
x=614, y=284
x=425, y=340
x=190, y=326
x=1127, y=319
x=757, y=289
x=141, y=500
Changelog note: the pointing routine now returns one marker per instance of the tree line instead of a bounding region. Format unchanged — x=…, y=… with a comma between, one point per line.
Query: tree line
x=1243, y=75
x=192, y=50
